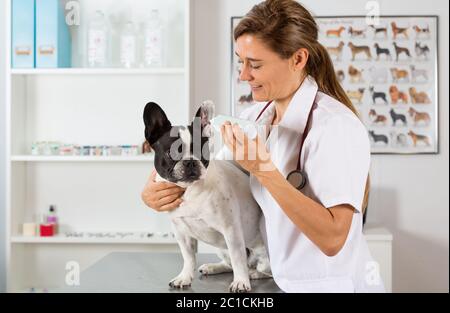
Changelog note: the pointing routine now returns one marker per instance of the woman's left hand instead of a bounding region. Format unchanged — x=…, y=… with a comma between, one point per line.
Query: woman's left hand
x=252, y=155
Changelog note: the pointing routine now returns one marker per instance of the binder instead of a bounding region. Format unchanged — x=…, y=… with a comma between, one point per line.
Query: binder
x=53, y=39
x=22, y=33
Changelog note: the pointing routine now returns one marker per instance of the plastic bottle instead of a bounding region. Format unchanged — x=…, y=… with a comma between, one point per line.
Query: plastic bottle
x=128, y=46
x=98, y=40
x=153, y=51
x=52, y=219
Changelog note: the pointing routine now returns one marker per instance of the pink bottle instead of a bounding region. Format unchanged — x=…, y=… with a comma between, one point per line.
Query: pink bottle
x=52, y=219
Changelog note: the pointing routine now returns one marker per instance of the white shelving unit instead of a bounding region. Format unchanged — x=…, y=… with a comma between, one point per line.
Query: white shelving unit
x=33, y=158
x=87, y=106
x=99, y=71
x=72, y=240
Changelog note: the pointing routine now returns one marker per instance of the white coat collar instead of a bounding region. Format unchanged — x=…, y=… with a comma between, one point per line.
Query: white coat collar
x=296, y=114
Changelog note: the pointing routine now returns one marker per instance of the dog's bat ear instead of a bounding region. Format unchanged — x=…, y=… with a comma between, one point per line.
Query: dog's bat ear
x=204, y=114
x=156, y=122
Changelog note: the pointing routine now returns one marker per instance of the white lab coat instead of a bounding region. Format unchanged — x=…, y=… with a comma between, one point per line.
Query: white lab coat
x=336, y=159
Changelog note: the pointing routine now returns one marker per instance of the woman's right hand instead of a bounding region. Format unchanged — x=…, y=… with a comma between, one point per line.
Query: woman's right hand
x=161, y=196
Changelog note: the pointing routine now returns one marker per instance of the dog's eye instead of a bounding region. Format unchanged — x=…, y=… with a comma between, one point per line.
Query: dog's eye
x=180, y=149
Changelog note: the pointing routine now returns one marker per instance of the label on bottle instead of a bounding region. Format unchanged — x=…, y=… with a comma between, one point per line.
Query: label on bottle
x=96, y=47
x=153, y=47
x=128, y=50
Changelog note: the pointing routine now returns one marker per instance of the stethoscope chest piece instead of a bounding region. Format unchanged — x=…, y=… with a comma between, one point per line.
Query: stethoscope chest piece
x=297, y=179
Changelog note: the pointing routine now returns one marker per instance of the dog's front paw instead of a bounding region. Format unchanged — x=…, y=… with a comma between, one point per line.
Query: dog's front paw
x=206, y=269
x=214, y=268
x=240, y=285
x=181, y=281
x=255, y=274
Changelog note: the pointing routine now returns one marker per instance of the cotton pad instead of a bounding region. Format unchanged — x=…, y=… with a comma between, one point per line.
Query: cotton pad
x=247, y=126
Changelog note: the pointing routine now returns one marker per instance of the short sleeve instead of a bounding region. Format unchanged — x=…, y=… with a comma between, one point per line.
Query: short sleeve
x=337, y=162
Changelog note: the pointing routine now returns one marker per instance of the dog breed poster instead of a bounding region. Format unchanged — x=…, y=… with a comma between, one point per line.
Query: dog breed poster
x=389, y=72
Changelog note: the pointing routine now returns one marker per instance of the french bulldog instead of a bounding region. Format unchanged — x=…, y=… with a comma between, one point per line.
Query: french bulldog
x=218, y=207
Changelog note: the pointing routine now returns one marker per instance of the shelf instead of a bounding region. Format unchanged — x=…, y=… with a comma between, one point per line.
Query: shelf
x=56, y=158
x=73, y=240
x=99, y=71
x=373, y=234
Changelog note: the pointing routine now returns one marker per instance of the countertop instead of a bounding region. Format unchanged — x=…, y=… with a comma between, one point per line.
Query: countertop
x=145, y=272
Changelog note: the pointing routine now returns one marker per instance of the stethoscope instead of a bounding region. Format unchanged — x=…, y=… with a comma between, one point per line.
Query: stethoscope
x=297, y=178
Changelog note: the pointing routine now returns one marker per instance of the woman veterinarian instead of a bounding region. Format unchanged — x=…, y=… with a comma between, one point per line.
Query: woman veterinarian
x=313, y=232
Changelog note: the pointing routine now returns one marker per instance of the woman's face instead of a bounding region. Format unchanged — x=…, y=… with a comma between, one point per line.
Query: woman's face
x=270, y=77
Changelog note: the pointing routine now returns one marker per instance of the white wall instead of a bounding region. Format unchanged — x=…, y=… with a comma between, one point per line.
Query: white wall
x=2, y=153
x=409, y=193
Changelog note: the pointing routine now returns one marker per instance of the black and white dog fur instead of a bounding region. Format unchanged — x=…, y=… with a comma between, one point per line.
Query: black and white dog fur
x=218, y=206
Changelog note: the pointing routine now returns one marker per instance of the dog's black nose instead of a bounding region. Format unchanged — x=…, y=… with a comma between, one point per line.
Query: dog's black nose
x=190, y=164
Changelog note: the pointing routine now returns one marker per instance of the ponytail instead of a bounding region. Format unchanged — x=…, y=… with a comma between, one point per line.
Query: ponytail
x=321, y=68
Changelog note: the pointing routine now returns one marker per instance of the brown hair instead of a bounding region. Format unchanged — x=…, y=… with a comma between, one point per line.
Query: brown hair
x=286, y=26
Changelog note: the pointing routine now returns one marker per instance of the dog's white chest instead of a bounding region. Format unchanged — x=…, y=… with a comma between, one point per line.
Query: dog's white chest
x=197, y=228
x=203, y=215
